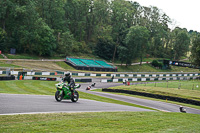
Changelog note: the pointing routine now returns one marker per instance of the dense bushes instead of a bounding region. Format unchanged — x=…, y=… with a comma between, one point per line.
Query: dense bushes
x=155, y=63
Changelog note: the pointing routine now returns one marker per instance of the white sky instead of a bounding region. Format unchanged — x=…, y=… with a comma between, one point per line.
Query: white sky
x=186, y=13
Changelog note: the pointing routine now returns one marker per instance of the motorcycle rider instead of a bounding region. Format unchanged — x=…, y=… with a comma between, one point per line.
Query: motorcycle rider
x=70, y=82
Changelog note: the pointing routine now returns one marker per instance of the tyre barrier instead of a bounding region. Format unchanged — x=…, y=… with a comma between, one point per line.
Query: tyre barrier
x=12, y=77
x=157, y=96
x=53, y=79
x=83, y=80
x=44, y=78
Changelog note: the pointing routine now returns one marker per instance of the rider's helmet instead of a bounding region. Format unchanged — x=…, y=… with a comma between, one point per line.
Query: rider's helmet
x=67, y=76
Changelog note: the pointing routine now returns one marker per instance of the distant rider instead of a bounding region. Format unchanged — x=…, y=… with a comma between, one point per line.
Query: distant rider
x=70, y=82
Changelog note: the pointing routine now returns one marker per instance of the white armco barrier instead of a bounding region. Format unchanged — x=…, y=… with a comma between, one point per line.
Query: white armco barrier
x=14, y=72
x=45, y=73
x=115, y=80
x=59, y=79
x=104, y=80
x=81, y=74
x=28, y=77
x=30, y=73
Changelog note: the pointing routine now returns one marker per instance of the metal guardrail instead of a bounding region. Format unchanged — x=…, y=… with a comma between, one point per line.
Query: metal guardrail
x=144, y=74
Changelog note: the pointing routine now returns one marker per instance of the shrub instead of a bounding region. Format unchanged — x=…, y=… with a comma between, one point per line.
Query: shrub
x=155, y=63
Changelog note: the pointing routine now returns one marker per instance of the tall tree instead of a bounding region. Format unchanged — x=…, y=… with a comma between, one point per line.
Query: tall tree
x=76, y=12
x=195, y=52
x=52, y=12
x=105, y=45
x=2, y=40
x=157, y=23
x=136, y=43
x=68, y=45
x=120, y=21
x=181, y=42
x=99, y=16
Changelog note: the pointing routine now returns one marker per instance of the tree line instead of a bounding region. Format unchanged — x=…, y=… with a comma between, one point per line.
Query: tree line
x=113, y=30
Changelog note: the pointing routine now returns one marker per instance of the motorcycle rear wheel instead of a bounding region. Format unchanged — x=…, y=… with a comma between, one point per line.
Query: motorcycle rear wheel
x=75, y=97
x=58, y=97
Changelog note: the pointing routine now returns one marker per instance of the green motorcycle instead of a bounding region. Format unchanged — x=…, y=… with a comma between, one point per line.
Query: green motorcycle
x=63, y=92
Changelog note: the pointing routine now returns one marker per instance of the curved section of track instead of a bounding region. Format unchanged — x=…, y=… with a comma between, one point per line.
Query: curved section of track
x=162, y=106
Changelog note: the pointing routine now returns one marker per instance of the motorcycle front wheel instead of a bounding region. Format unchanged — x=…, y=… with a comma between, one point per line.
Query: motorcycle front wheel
x=75, y=97
x=58, y=96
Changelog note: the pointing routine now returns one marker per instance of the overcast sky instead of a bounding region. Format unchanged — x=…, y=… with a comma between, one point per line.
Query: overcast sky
x=186, y=13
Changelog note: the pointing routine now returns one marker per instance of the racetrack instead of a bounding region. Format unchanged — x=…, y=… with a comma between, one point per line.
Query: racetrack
x=31, y=104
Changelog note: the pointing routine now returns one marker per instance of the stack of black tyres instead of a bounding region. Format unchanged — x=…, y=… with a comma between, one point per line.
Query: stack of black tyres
x=12, y=77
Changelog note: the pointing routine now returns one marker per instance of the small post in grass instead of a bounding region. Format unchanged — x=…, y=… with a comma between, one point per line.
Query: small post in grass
x=155, y=84
x=179, y=86
x=167, y=84
x=193, y=87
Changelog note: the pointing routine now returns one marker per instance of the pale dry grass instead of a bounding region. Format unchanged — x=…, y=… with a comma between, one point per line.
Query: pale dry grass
x=39, y=65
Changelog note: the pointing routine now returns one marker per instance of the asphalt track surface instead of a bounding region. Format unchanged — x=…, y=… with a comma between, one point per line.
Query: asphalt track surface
x=32, y=104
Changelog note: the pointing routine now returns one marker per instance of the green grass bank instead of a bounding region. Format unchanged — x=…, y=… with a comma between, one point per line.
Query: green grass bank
x=103, y=122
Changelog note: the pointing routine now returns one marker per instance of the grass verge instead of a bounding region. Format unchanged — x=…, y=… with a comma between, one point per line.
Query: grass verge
x=108, y=122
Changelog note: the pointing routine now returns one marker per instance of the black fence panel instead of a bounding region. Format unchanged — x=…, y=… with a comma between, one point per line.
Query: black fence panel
x=44, y=78
x=12, y=77
x=86, y=80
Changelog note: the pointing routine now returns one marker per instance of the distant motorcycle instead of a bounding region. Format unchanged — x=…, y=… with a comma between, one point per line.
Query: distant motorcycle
x=63, y=92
